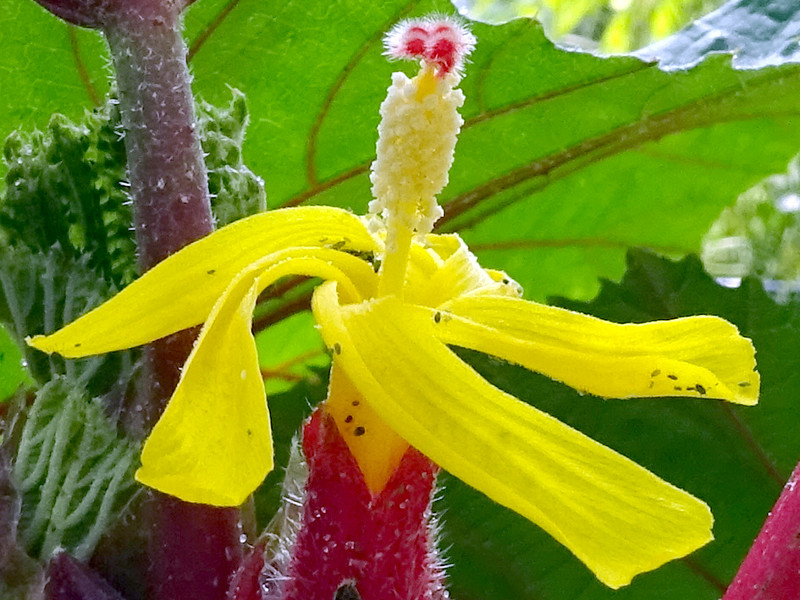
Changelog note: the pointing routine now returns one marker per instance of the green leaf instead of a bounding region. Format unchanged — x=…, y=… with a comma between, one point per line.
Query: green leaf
x=735, y=458
x=74, y=472
x=42, y=292
x=48, y=67
x=758, y=34
x=63, y=187
x=12, y=371
x=66, y=187
x=236, y=191
x=291, y=351
x=586, y=156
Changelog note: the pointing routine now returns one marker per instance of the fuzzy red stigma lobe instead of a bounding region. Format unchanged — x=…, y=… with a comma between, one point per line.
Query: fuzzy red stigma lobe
x=443, y=42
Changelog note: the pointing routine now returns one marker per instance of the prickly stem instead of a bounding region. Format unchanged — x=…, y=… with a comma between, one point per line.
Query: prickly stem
x=193, y=549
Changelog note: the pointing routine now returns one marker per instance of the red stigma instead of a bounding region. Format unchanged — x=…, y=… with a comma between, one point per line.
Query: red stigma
x=415, y=47
x=443, y=53
x=443, y=42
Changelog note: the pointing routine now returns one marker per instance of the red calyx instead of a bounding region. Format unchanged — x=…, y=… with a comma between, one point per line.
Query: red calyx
x=351, y=544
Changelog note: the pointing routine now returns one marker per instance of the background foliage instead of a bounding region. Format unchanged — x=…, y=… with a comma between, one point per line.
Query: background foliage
x=609, y=25
x=566, y=161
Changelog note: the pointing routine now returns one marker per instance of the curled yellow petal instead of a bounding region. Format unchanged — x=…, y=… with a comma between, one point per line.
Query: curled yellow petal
x=157, y=304
x=692, y=356
x=614, y=515
x=458, y=274
x=213, y=444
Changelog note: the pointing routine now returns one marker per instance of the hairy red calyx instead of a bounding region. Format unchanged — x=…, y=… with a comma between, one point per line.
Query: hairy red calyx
x=353, y=545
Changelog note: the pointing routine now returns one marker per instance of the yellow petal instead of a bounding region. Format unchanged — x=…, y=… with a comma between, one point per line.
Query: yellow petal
x=614, y=515
x=693, y=356
x=213, y=445
x=158, y=303
x=375, y=446
x=457, y=273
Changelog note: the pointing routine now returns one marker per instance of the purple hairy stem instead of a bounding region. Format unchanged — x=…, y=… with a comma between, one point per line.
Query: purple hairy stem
x=165, y=166
x=198, y=550
x=69, y=579
x=771, y=569
x=165, y=160
x=192, y=549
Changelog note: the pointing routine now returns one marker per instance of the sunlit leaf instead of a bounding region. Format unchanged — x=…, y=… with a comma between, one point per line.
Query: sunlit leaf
x=758, y=34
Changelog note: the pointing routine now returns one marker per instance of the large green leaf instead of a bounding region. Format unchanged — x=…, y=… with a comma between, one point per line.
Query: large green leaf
x=735, y=458
x=585, y=155
x=47, y=67
x=759, y=33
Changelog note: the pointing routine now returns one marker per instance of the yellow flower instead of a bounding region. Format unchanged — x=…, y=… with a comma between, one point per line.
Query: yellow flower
x=395, y=297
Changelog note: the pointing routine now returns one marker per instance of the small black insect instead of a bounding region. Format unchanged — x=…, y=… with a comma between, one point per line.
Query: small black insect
x=347, y=591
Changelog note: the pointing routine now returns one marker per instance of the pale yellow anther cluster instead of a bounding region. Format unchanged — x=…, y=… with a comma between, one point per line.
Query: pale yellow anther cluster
x=416, y=139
